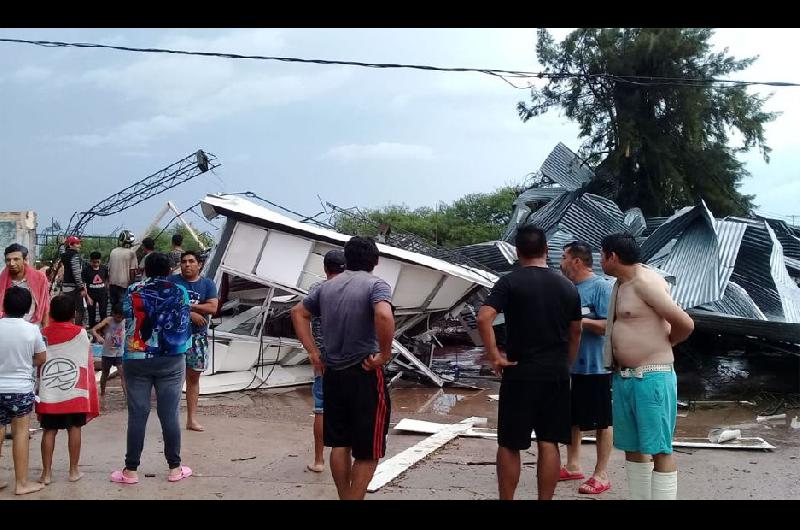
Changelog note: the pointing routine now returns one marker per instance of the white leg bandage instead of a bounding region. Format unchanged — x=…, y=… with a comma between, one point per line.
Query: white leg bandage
x=640, y=475
x=665, y=486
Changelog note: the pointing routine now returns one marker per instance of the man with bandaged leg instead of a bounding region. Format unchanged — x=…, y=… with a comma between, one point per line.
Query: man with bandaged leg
x=643, y=325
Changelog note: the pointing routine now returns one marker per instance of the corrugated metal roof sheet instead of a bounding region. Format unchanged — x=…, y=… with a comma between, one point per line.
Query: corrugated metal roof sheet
x=761, y=271
x=729, y=240
x=539, y=194
x=498, y=256
x=789, y=241
x=736, y=302
x=693, y=263
x=565, y=168
x=652, y=224
x=699, y=250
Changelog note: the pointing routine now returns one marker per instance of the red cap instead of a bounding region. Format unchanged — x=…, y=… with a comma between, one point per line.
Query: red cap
x=72, y=240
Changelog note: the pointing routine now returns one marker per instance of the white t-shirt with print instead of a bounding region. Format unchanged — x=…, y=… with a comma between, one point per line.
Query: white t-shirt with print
x=19, y=341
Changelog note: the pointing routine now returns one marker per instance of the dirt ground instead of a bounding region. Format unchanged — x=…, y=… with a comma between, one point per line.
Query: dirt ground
x=257, y=444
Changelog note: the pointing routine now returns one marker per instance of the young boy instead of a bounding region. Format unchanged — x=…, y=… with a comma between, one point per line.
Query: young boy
x=21, y=348
x=113, y=335
x=67, y=388
x=95, y=276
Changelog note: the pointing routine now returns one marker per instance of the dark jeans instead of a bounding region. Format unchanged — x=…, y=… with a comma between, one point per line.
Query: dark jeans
x=99, y=310
x=117, y=293
x=166, y=374
x=77, y=299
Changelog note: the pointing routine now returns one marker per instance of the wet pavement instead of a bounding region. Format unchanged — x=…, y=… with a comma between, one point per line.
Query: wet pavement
x=257, y=444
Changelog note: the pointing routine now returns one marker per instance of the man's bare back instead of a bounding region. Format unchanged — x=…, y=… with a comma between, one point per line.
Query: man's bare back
x=640, y=335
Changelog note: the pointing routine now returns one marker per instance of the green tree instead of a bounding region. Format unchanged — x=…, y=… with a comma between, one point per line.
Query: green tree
x=474, y=218
x=666, y=139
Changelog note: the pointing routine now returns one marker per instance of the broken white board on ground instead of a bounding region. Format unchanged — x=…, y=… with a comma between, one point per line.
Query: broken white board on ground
x=427, y=427
x=390, y=469
x=263, y=377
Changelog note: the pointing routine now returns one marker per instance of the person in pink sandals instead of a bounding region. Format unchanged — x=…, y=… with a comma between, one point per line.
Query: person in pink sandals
x=157, y=335
x=591, y=382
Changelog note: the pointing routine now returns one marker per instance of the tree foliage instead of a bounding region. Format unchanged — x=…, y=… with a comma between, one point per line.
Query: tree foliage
x=473, y=218
x=666, y=140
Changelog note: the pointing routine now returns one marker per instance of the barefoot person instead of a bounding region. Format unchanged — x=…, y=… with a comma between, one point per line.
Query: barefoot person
x=204, y=302
x=333, y=263
x=644, y=324
x=110, y=332
x=21, y=348
x=67, y=389
x=543, y=325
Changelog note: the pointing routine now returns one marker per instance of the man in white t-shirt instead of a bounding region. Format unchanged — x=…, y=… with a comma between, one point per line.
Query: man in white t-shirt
x=22, y=348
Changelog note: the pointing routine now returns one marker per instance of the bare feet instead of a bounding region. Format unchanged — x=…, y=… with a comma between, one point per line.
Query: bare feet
x=194, y=426
x=75, y=476
x=32, y=487
x=316, y=468
x=46, y=478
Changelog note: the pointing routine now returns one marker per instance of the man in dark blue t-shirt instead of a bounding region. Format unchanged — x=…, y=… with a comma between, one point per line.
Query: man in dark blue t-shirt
x=204, y=303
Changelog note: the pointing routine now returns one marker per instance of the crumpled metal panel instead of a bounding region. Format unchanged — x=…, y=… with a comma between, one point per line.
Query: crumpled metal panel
x=693, y=263
x=736, y=302
x=760, y=269
x=635, y=221
x=565, y=168
x=699, y=250
x=498, y=256
x=672, y=228
x=789, y=291
x=793, y=266
x=729, y=240
x=539, y=194
x=789, y=241
x=585, y=216
x=652, y=225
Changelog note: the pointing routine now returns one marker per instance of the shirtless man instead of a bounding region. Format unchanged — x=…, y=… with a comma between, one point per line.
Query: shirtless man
x=645, y=325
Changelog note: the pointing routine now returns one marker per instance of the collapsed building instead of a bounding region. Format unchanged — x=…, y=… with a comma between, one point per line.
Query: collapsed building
x=264, y=262
x=735, y=276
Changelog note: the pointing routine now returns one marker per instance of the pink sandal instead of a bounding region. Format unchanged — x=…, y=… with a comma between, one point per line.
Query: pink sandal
x=119, y=478
x=185, y=472
x=594, y=487
x=566, y=474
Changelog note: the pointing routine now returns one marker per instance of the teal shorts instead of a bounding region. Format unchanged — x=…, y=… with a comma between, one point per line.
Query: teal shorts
x=644, y=412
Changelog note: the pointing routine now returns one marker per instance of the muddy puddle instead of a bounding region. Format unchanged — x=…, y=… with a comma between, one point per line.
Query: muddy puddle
x=721, y=378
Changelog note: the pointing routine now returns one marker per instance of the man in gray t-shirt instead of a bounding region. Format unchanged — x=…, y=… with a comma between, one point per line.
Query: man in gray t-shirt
x=357, y=329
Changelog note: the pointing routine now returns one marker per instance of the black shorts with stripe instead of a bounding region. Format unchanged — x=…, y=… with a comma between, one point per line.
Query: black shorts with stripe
x=356, y=411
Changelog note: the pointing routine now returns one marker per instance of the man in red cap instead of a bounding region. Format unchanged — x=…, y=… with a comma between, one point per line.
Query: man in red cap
x=73, y=285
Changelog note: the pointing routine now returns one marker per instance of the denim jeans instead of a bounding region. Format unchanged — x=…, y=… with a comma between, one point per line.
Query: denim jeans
x=166, y=374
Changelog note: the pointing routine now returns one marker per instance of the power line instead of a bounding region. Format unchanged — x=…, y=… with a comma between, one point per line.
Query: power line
x=644, y=81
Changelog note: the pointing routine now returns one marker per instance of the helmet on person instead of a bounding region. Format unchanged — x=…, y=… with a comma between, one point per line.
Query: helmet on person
x=72, y=240
x=126, y=238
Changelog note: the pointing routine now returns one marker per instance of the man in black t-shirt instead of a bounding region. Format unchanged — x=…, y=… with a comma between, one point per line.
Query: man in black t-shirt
x=95, y=276
x=543, y=327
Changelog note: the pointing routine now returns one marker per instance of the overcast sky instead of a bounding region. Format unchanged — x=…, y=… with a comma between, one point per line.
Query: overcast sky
x=77, y=125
